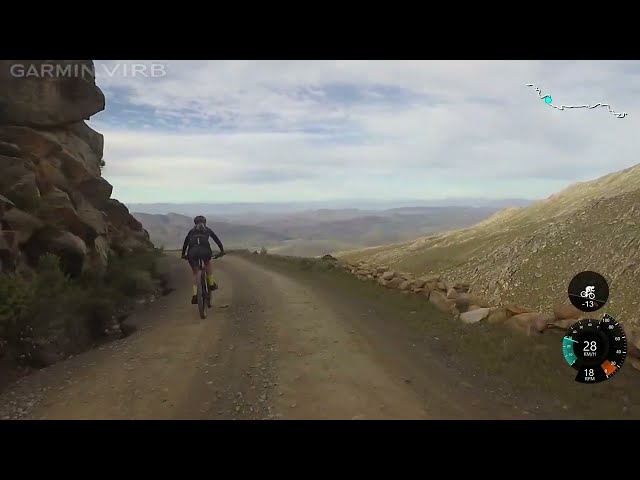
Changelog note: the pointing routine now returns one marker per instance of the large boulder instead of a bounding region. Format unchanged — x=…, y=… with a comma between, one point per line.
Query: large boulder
x=431, y=286
x=475, y=316
x=13, y=169
x=465, y=300
x=388, y=275
x=22, y=224
x=561, y=325
x=395, y=283
x=66, y=151
x=5, y=204
x=439, y=300
x=70, y=248
x=98, y=256
x=564, y=311
x=513, y=310
x=118, y=214
x=95, y=140
x=79, y=149
x=498, y=315
x=10, y=150
x=59, y=207
x=25, y=192
x=50, y=168
x=48, y=92
x=74, y=214
x=431, y=278
x=419, y=283
x=49, y=174
x=94, y=220
x=18, y=182
x=530, y=323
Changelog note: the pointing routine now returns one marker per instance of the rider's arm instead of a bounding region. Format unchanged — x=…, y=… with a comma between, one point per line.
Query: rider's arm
x=217, y=240
x=186, y=243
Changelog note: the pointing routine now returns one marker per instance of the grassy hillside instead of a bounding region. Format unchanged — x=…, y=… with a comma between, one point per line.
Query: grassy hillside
x=529, y=255
x=308, y=248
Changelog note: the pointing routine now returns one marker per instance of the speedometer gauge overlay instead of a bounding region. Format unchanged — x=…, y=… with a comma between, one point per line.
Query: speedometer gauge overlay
x=595, y=348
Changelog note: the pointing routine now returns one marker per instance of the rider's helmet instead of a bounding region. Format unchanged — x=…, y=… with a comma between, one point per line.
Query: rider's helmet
x=200, y=222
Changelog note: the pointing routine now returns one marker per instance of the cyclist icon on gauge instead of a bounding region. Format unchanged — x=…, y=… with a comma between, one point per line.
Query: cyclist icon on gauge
x=588, y=291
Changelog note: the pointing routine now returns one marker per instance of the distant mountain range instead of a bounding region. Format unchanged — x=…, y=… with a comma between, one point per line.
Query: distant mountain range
x=310, y=232
x=233, y=209
x=169, y=232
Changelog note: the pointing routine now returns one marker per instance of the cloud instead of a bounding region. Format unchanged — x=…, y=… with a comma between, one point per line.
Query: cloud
x=304, y=130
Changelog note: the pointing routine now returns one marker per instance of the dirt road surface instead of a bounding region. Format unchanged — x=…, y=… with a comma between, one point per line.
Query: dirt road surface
x=272, y=347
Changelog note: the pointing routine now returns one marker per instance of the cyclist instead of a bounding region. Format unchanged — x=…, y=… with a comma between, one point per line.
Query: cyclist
x=196, y=246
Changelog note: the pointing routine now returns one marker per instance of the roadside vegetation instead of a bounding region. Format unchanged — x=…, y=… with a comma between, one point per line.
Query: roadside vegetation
x=532, y=364
x=46, y=315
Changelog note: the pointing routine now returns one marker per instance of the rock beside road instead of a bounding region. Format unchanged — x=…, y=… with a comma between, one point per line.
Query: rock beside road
x=54, y=199
x=457, y=298
x=474, y=316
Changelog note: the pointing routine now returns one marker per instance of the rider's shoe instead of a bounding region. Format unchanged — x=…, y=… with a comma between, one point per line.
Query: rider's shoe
x=194, y=300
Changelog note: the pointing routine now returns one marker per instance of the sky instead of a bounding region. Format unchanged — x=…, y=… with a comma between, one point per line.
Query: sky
x=279, y=131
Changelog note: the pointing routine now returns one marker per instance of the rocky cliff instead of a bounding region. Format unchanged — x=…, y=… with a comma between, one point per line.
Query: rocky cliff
x=52, y=195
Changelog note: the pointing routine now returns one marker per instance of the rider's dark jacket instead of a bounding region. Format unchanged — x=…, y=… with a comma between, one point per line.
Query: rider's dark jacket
x=206, y=232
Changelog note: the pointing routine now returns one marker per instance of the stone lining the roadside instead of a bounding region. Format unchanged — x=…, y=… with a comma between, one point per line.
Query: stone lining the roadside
x=456, y=298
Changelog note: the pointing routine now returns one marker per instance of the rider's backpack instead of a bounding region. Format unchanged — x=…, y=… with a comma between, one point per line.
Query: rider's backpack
x=199, y=238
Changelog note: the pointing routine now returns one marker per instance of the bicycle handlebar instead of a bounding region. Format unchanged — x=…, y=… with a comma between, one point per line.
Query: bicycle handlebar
x=217, y=255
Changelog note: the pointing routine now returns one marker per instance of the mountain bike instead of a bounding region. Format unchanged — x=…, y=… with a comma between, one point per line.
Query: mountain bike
x=203, y=294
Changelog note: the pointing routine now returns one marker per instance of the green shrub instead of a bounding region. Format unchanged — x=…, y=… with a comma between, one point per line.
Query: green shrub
x=50, y=276
x=15, y=307
x=49, y=307
x=73, y=312
x=91, y=310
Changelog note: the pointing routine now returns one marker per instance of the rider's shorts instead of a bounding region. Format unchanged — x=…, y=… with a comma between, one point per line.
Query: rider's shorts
x=197, y=253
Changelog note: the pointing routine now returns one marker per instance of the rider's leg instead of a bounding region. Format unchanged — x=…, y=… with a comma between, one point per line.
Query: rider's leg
x=194, y=285
x=210, y=278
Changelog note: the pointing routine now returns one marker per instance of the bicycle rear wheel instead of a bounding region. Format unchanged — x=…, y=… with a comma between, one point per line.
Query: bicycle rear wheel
x=202, y=294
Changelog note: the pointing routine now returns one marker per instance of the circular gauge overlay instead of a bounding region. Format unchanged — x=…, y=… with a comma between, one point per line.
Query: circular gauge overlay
x=595, y=348
x=588, y=291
